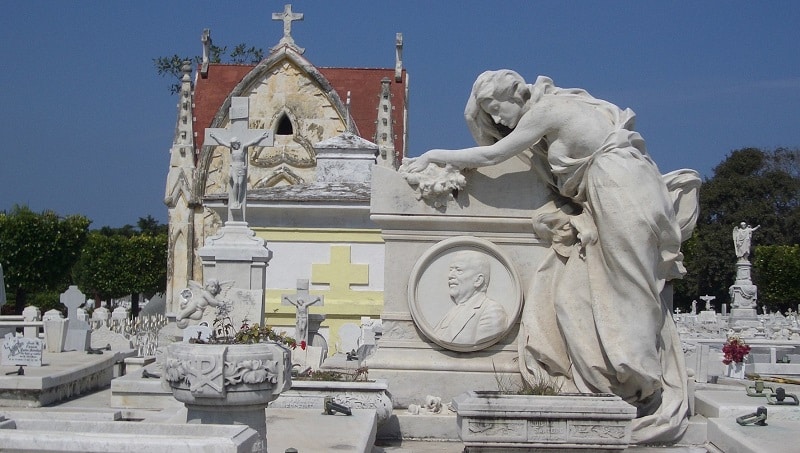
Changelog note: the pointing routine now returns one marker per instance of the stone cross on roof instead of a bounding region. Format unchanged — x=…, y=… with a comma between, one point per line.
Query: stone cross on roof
x=238, y=137
x=287, y=16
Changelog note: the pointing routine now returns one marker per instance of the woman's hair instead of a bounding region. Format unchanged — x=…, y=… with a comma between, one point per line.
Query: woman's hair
x=504, y=84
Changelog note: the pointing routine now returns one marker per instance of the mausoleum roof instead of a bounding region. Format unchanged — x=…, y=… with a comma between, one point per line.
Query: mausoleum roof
x=364, y=85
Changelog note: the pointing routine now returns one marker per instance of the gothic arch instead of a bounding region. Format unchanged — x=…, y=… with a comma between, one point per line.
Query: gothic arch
x=263, y=71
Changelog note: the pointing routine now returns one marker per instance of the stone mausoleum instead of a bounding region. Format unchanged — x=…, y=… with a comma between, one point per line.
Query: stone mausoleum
x=308, y=194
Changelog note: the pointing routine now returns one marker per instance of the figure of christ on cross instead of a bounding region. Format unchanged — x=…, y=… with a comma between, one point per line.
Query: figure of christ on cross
x=301, y=300
x=238, y=138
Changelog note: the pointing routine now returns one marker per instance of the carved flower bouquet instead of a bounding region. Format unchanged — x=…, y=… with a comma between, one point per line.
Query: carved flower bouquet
x=735, y=350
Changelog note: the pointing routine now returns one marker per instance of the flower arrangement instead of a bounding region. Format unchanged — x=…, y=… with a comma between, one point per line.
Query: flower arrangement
x=225, y=333
x=735, y=350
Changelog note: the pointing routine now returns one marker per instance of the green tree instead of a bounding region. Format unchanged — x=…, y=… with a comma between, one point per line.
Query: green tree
x=170, y=66
x=123, y=261
x=38, y=250
x=777, y=270
x=750, y=185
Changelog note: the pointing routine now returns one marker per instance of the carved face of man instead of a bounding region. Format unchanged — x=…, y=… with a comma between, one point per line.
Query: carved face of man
x=466, y=277
x=505, y=112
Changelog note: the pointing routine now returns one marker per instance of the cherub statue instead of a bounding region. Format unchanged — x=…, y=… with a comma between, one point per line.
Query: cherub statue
x=197, y=298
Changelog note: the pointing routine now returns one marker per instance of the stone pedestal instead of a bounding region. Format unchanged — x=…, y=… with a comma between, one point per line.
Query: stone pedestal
x=237, y=255
x=412, y=362
x=743, y=292
x=492, y=422
x=228, y=384
x=744, y=295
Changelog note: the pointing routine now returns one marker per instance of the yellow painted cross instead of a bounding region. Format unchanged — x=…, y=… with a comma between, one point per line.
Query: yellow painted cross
x=340, y=273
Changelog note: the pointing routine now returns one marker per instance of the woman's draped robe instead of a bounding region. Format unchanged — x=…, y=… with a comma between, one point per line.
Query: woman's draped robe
x=602, y=319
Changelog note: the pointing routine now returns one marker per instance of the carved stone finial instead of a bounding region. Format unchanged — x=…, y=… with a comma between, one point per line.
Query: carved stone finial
x=205, y=38
x=398, y=62
x=384, y=130
x=287, y=16
x=347, y=112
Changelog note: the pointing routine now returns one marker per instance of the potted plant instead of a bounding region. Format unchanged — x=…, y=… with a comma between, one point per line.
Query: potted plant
x=736, y=351
x=231, y=377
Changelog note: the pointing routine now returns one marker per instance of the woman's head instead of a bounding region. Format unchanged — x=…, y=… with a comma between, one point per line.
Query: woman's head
x=504, y=85
x=495, y=88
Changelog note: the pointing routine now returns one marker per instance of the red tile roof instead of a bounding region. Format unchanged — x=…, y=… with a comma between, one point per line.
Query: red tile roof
x=364, y=85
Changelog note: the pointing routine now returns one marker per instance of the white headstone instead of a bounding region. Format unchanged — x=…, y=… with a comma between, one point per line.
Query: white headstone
x=120, y=313
x=103, y=337
x=101, y=315
x=22, y=351
x=77, y=331
x=52, y=314
x=55, y=331
x=349, y=334
x=31, y=313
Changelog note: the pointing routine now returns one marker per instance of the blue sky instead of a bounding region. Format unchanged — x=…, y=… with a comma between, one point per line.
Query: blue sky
x=86, y=123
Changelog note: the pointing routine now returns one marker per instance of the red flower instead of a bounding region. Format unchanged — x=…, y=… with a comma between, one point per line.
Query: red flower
x=303, y=345
x=735, y=350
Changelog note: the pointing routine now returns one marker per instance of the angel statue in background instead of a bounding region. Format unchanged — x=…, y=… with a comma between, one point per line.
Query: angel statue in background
x=742, y=236
x=197, y=298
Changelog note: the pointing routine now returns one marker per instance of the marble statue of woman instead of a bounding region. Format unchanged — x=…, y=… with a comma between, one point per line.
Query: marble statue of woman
x=597, y=314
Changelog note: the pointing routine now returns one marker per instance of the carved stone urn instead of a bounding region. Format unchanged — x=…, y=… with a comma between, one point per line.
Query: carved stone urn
x=228, y=383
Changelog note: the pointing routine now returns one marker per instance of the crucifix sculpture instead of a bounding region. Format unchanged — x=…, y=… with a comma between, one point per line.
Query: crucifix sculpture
x=302, y=300
x=238, y=137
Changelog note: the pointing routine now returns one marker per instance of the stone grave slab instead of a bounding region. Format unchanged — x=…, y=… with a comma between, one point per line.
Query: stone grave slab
x=729, y=404
x=35, y=435
x=779, y=436
x=62, y=376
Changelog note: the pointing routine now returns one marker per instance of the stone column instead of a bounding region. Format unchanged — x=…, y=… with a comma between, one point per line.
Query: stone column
x=237, y=255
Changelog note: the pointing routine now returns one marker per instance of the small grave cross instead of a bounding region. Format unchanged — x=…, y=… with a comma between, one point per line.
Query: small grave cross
x=238, y=137
x=301, y=300
x=78, y=331
x=73, y=299
x=287, y=16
